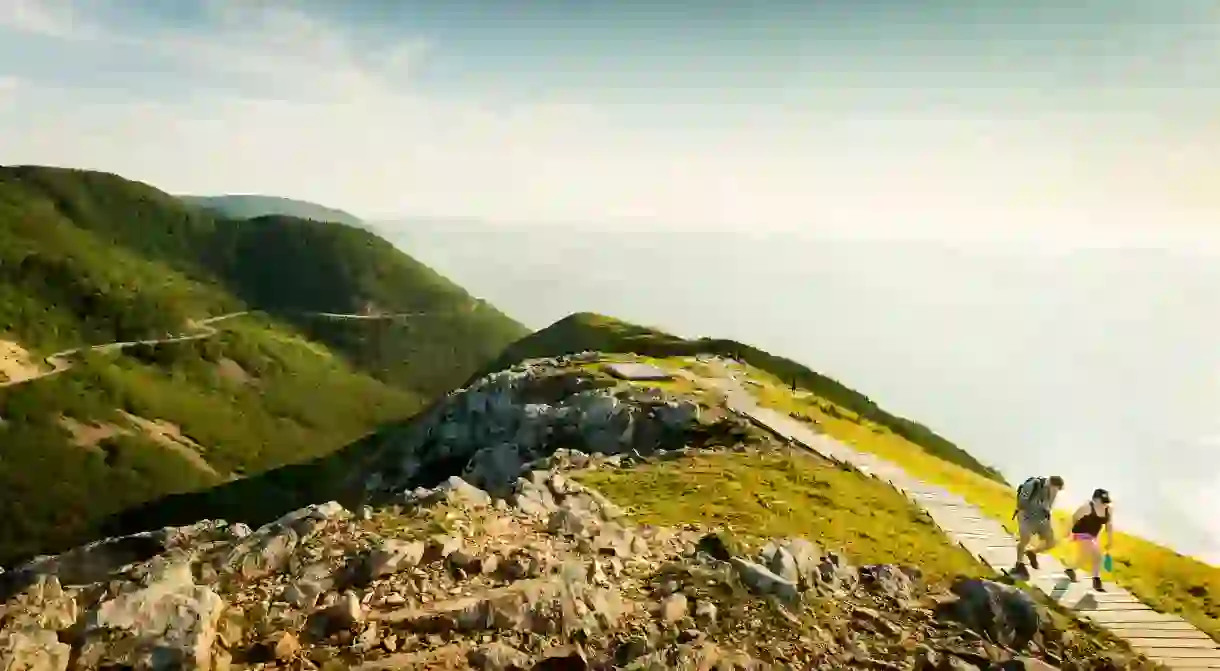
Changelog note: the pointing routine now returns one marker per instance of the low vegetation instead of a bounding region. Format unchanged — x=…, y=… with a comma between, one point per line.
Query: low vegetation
x=587, y=331
x=89, y=258
x=1159, y=576
x=779, y=494
x=248, y=400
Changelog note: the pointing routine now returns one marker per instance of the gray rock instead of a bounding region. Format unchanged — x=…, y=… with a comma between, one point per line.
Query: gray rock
x=33, y=650
x=1002, y=613
x=166, y=623
x=460, y=492
x=1024, y=664
x=568, y=523
x=345, y=613
x=269, y=549
x=394, y=556
x=889, y=580
x=762, y=581
x=673, y=608
x=705, y=613
x=497, y=656
x=304, y=594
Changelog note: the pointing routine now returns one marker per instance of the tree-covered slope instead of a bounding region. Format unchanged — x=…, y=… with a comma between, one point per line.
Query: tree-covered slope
x=89, y=258
x=587, y=331
x=117, y=430
x=283, y=265
x=249, y=206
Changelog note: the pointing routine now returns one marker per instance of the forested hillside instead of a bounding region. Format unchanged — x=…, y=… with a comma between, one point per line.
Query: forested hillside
x=89, y=258
x=283, y=265
x=251, y=206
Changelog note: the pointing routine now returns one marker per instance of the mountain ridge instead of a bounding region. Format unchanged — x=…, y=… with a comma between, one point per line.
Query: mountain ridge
x=250, y=206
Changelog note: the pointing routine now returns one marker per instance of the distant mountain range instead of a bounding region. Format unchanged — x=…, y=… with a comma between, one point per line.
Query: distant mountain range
x=251, y=206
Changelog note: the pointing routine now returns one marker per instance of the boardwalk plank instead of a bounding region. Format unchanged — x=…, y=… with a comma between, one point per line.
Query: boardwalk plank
x=1163, y=642
x=1187, y=664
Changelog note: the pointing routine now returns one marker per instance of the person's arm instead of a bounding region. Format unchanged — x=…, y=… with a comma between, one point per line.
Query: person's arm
x=1109, y=528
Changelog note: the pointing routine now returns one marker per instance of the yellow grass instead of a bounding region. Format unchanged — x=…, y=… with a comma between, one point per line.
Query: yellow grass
x=1161, y=577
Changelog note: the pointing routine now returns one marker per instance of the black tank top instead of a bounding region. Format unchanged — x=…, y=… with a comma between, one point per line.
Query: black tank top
x=1091, y=523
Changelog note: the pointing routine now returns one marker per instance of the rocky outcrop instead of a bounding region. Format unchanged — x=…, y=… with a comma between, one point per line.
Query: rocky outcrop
x=493, y=429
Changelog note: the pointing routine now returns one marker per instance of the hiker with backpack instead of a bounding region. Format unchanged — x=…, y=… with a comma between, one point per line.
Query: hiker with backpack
x=1087, y=524
x=1035, y=500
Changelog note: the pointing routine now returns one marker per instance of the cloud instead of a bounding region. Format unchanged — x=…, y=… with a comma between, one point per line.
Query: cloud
x=289, y=52
x=277, y=98
x=59, y=19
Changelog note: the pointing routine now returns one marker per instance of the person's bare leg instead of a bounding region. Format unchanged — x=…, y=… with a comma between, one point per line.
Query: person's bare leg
x=1095, y=552
x=1074, y=562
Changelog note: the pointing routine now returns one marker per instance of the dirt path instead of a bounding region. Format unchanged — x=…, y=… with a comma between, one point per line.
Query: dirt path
x=1168, y=639
x=61, y=361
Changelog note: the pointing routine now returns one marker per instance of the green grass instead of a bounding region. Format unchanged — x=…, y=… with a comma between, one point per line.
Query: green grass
x=587, y=331
x=776, y=494
x=1159, y=576
x=299, y=403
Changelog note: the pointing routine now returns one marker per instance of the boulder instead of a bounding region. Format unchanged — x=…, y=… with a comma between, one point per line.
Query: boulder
x=1002, y=613
x=762, y=581
x=33, y=649
x=164, y=622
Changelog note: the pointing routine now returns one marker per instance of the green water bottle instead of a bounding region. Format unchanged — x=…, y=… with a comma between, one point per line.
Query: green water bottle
x=1107, y=563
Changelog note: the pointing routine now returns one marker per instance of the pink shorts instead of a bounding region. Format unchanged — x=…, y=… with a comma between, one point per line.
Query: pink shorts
x=1084, y=537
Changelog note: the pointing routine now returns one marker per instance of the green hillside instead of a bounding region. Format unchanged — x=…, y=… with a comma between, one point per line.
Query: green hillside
x=279, y=264
x=587, y=331
x=251, y=206
x=89, y=258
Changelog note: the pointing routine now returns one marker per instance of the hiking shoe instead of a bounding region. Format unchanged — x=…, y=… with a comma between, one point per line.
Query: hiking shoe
x=1097, y=586
x=1019, y=571
x=1033, y=559
x=1070, y=573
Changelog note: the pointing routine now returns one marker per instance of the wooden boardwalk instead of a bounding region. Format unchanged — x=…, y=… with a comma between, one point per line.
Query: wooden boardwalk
x=1165, y=638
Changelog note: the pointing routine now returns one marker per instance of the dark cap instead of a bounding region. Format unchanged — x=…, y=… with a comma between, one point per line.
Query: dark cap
x=1101, y=495
x=1056, y=481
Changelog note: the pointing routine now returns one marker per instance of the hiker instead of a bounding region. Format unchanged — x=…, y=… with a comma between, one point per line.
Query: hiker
x=1087, y=523
x=1035, y=499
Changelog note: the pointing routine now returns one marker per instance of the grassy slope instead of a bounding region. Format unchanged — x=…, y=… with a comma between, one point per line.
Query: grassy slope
x=89, y=258
x=1159, y=576
x=62, y=285
x=588, y=331
x=787, y=494
x=114, y=227
x=299, y=402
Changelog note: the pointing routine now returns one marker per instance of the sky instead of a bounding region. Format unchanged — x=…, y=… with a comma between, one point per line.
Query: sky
x=1033, y=182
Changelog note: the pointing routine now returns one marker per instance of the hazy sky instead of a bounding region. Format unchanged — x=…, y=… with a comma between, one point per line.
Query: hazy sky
x=858, y=117
x=1064, y=156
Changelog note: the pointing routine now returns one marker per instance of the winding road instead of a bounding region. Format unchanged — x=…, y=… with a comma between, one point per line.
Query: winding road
x=61, y=361
x=1165, y=638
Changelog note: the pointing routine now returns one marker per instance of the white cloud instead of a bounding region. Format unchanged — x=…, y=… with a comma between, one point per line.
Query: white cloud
x=58, y=19
x=311, y=110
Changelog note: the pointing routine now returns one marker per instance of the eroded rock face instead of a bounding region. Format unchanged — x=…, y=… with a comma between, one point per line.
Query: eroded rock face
x=502, y=423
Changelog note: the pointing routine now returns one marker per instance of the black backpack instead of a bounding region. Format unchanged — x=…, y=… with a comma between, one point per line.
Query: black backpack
x=1026, y=493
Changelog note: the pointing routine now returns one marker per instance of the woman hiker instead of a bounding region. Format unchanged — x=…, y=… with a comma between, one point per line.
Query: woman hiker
x=1087, y=524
